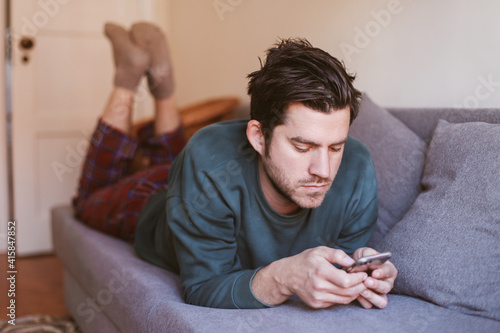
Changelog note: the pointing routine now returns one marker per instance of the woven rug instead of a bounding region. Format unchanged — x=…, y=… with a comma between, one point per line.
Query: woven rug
x=40, y=324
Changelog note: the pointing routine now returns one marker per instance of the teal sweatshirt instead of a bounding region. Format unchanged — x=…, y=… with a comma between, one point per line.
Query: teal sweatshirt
x=216, y=229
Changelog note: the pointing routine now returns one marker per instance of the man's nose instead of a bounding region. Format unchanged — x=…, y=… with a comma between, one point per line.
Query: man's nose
x=320, y=164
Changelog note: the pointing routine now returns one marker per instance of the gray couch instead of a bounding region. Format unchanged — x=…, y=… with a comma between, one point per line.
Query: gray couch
x=109, y=289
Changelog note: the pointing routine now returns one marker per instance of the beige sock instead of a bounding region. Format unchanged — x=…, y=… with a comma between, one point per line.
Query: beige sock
x=131, y=61
x=160, y=73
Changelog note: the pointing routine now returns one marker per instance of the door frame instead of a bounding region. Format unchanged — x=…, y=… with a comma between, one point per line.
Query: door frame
x=6, y=163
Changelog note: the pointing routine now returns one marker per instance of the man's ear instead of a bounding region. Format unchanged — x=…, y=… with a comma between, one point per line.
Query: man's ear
x=255, y=136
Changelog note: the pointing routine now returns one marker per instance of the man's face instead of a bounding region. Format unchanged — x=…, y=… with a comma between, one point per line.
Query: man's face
x=304, y=157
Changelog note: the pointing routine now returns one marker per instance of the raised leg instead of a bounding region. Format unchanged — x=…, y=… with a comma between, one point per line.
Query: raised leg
x=168, y=138
x=131, y=63
x=160, y=72
x=108, y=199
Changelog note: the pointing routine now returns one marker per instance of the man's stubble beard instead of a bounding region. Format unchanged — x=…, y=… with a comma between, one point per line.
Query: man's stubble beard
x=283, y=187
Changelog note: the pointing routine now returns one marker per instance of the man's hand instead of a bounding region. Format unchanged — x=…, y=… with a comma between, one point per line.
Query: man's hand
x=379, y=283
x=311, y=276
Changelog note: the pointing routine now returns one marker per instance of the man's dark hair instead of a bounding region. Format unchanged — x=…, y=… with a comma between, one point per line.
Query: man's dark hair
x=295, y=71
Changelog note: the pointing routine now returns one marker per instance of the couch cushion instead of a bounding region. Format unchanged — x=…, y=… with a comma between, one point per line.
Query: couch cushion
x=398, y=155
x=402, y=314
x=447, y=248
x=423, y=121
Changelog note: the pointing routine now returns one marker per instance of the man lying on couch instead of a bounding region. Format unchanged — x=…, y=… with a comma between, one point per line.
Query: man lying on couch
x=248, y=202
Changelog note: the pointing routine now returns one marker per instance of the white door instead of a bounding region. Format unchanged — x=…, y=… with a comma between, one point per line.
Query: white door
x=60, y=86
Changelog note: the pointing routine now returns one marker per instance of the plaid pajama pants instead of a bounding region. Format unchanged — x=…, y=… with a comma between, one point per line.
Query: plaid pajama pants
x=108, y=198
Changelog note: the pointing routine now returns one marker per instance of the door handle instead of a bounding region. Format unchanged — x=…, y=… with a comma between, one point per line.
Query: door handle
x=26, y=44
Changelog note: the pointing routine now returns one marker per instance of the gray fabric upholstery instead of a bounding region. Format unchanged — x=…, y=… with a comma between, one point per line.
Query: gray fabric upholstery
x=447, y=248
x=152, y=302
x=404, y=314
x=398, y=155
x=75, y=296
x=423, y=121
x=124, y=286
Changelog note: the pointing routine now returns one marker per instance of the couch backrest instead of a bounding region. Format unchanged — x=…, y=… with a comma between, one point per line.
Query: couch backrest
x=423, y=121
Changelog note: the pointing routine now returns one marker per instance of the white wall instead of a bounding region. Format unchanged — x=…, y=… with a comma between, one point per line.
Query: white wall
x=416, y=53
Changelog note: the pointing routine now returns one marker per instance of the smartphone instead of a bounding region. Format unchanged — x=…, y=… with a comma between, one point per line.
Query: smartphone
x=370, y=261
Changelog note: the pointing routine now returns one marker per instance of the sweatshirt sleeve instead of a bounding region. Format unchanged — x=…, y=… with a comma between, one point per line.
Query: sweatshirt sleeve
x=210, y=271
x=204, y=220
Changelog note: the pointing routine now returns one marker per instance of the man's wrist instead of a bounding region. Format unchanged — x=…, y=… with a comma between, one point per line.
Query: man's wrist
x=268, y=286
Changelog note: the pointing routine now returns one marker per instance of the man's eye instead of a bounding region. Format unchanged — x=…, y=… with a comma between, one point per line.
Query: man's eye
x=301, y=150
x=336, y=149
